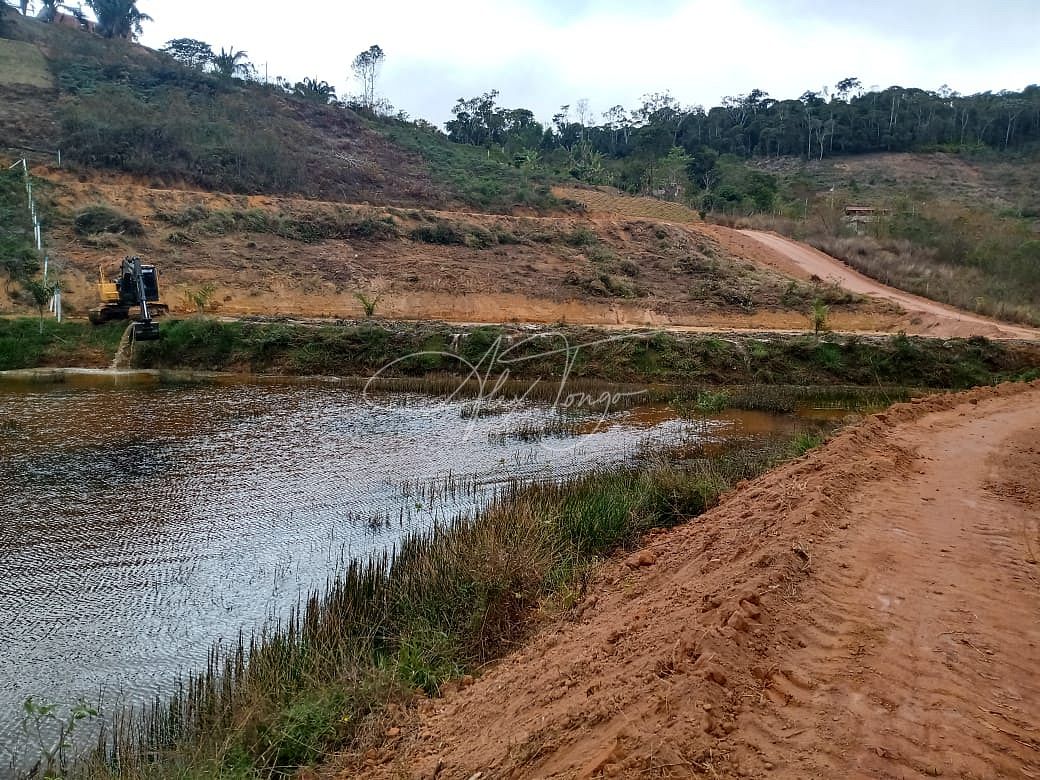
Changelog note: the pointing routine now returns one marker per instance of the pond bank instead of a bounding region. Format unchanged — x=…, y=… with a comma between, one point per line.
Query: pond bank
x=411, y=349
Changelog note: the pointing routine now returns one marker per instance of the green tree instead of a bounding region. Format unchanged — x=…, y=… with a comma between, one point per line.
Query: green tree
x=587, y=164
x=118, y=18
x=670, y=174
x=189, y=52
x=40, y=294
x=229, y=64
x=314, y=91
x=819, y=316
x=366, y=69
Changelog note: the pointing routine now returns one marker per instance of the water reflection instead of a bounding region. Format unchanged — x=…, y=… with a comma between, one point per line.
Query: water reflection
x=140, y=523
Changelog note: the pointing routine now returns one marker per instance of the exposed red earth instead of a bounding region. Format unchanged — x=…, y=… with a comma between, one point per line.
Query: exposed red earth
x=870, y=610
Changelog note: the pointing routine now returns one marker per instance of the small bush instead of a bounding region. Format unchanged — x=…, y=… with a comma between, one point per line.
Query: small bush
x=438, y=233
x=804, y=442
x=712, y=402
x=628, y=268
x=105, y=219
x=184, y=217
x=600, y=254
x=179, y=238
x=580, y=237
x=505, y=237
x=478, y=238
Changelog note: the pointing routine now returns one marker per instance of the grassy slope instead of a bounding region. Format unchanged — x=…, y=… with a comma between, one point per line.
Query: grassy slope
x=963, y=229
x=125, y=107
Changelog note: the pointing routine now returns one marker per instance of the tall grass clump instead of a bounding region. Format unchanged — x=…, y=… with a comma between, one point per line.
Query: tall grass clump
x=18, y=256
x=447, y=602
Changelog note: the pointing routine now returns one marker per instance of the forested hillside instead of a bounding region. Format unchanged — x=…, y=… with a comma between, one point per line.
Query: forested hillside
x=664, y=143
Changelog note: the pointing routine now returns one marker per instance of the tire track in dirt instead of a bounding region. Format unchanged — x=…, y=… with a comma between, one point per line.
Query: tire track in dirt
x=871, y=609
x=930, y=667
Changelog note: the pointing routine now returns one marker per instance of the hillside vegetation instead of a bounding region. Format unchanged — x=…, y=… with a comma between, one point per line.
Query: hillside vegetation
x=114, y=105
x=958, y=225
x=963, y=230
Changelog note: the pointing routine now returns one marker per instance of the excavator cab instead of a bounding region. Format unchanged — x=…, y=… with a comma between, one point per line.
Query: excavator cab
x=137, y=285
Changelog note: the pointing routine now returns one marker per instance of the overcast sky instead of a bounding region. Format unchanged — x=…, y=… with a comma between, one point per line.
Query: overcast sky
x=541, y=54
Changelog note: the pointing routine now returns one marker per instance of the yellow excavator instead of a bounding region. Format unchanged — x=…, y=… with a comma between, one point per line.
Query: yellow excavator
x=136, y=286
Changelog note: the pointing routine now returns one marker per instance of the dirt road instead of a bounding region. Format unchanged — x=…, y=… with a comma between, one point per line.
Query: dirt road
x=870, y=610
x=936, y=317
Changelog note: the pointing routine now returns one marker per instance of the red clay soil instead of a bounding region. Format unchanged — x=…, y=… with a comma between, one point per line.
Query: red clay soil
x=869, y=610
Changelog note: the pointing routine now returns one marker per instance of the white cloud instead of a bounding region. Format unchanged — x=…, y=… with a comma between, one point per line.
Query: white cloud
x=609, y=53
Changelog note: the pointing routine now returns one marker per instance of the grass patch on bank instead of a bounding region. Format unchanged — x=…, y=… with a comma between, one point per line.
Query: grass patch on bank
x=18, y=256
x=24, y=345
x=684, y=360
x=451, y=600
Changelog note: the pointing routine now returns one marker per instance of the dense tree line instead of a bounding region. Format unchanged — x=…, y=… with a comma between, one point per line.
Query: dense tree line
x=845, y=120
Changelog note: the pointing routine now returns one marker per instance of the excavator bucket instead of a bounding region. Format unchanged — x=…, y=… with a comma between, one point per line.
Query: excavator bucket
x=146, y=331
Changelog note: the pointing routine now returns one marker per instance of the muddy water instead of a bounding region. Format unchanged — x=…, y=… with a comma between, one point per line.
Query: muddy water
x=138, y=524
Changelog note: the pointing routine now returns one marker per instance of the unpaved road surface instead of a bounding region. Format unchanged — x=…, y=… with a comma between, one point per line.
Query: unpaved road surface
x=870, y=610
x=935, y=318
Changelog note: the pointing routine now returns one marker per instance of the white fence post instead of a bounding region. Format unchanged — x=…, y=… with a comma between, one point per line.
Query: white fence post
x=55, y=303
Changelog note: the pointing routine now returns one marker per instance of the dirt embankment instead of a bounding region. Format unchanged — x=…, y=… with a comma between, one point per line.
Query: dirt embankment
x=869, y=610
x=272, y=255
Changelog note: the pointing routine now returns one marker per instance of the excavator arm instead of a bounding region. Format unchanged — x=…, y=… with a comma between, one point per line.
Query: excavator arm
x=145, y=329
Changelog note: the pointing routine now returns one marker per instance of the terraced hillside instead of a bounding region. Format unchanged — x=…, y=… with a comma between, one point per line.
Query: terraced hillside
x=265, y=254
x=607, y=200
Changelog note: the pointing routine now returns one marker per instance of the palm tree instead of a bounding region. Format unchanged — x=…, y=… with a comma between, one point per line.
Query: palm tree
x=48, y=10
x=118, y=18
x=314, y=90
x=230, y=63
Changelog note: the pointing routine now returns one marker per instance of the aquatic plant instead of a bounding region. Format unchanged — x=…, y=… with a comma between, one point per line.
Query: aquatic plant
x=446, y=602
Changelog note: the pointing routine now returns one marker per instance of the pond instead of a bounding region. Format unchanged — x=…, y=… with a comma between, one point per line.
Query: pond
x=142, y=522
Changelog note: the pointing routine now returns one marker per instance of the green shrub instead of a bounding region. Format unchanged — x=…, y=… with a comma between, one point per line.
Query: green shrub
x=438, y=233
x=579, y=237
x=184, y=217
x=804, y=442
x=712, y=402
x=426, y=659
x=105, y=219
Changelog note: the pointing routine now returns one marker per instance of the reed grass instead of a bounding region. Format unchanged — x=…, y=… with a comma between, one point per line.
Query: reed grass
x=690, y=401
x=400, y=625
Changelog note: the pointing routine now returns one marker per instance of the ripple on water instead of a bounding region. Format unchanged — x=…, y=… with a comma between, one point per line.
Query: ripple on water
x=140, y=524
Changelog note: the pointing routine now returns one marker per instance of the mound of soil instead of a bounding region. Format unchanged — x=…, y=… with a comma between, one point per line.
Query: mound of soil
x=868, y=610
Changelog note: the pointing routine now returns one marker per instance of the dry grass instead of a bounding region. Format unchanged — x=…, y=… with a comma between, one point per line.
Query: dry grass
x=903, y=264
x=972, y=259
x=23, y=64
x=627, y=205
